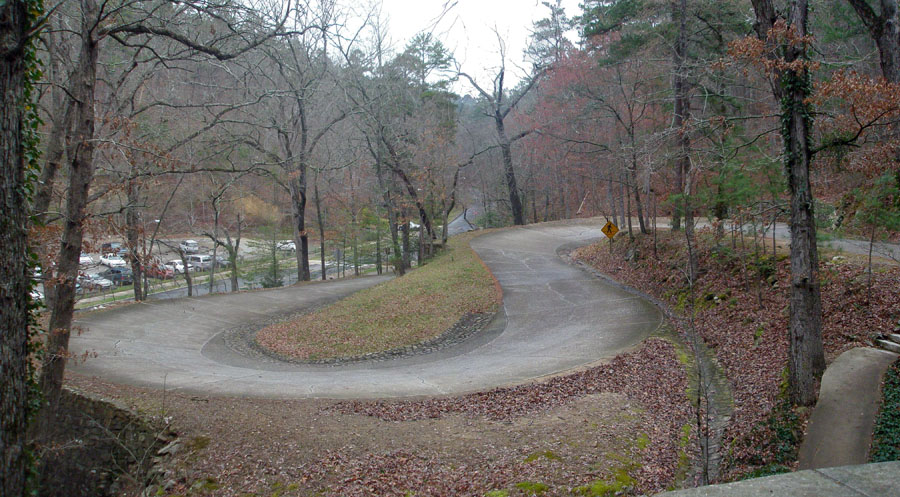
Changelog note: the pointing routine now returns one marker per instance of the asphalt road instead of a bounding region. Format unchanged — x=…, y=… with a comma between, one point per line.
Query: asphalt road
x=556, y=318
x=861, y=247
x=462, y=222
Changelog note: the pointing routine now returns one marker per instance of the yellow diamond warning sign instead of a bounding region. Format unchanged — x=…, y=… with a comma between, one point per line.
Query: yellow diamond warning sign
x=609, y=229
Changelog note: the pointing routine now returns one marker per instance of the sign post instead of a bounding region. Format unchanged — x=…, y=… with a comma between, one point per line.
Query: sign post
x=609, y=229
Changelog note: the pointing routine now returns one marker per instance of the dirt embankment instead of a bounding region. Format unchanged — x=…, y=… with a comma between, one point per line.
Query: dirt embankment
x=740, y=308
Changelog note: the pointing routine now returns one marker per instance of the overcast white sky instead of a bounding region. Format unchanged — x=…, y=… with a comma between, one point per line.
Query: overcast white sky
x=467, y=30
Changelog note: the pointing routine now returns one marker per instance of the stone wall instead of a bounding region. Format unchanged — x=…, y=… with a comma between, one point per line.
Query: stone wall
x=95, y=447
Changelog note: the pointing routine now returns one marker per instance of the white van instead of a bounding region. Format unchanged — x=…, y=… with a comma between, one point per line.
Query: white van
x=189, y=246
x=200, y=262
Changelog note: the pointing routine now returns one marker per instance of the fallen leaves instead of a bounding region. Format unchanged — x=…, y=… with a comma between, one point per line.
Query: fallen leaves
x=743, y=318
x=652, y=377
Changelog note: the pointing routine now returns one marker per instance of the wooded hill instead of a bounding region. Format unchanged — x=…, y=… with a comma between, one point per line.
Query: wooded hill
x=217, y=118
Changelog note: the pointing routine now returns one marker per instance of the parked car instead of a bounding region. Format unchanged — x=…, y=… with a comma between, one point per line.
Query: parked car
x=189, y=246
x=94, y=282
x=160, y=271
x=118, y=275
x=287, y=245
x=85, y=259
x=200, y=262
x=178, y=267
x=112, y=260
x=221, y=261
x=111, y=247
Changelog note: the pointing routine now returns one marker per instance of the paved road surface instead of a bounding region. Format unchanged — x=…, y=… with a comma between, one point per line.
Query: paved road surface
x=783, y=233
x=462, y=222
x=557, y=318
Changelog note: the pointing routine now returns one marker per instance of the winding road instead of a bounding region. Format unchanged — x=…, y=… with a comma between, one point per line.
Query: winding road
x=555, y=318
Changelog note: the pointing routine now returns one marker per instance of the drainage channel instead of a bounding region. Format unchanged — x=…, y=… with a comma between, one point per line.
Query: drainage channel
x=712, y=393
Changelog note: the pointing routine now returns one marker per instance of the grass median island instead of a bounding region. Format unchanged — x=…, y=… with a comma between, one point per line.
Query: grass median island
x=404, y=311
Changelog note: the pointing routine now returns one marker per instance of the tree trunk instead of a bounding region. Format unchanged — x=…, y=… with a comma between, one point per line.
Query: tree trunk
x=13, y=266
x=56, y=146
x=61, y=116
x=385, y=186
x=612, y=201
x=232, y=263
x=682, y=105
x=546, y=205
x=407, y=259
x=693, y=265
x=888, y=41
x=342, y=260
x=396, y=250
x=301, y=238
x=378, y=267
x=515, y=202
x=187, y=273
x=446, y=226
x=884, y=28
x=637, y=200
x=320, y=220
x=869, y=282
x=421, y=253
x=627, y=203
x=81, y=159
x=807, y=357
x=356, y=249
x=132, y=236
x=234, y=255
x=621, y=192
x=213, y=263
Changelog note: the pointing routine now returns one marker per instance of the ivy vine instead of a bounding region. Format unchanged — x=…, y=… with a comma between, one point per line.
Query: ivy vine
x=31, y=124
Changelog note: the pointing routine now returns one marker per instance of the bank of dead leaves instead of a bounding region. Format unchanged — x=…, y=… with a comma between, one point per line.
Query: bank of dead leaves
x=651, y=377
x=741, y=312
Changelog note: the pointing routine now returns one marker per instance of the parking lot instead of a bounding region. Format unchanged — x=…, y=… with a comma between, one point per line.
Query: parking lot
x=101, y=278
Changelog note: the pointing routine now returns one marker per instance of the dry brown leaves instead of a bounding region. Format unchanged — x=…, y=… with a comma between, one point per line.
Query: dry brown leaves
x=744, y=319
x=651, y=376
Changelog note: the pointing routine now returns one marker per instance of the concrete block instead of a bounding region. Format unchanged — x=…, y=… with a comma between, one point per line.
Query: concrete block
x=889, y=345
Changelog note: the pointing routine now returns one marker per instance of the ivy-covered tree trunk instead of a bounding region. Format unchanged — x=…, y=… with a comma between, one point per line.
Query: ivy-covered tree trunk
x=807, y=356
x=806, y=361
x=13, y=268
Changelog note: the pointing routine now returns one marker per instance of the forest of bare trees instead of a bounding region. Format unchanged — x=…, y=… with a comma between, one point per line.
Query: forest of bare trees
x=304, y=120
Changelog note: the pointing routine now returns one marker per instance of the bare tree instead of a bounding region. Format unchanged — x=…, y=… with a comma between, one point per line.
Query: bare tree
x=884, y=27
x=499, y=111
x=297, y=111
x=230, y=237
x=176, y=21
